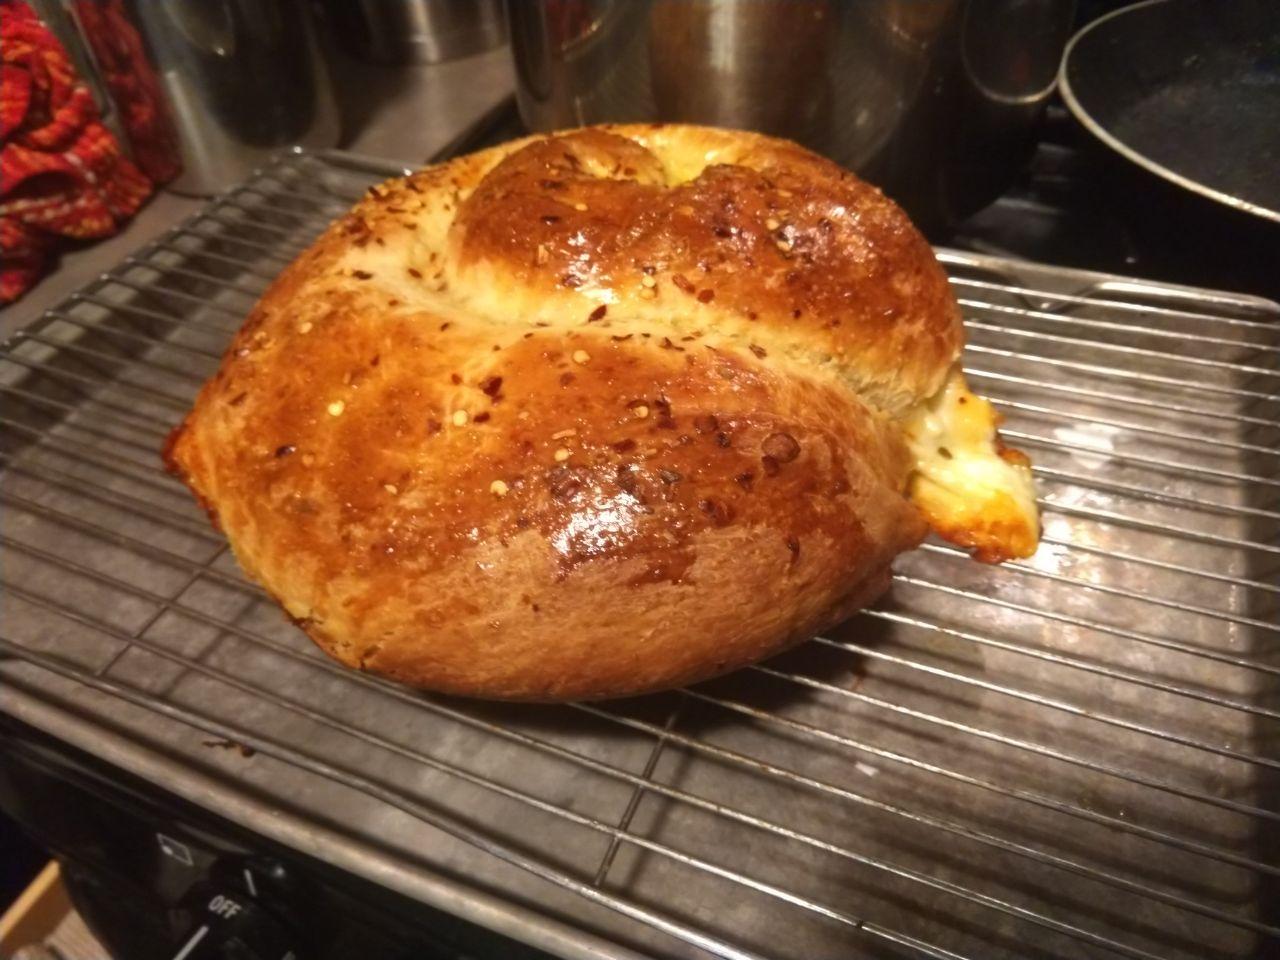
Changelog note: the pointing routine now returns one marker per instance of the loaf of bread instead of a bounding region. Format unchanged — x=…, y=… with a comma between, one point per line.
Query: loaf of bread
x=598, y=413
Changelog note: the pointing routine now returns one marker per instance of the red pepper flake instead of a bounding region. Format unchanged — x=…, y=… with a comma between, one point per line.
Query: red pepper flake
x=362, y=274
x=377, y=359
x=597, y=314
x=797, y=313
x=491, y=385
x=415, y=273
x=285, y=450
x=617, y=339
x=551, y=184
x=563, y=483
x=720, y=513
x=752, y=315
x=549, y=218
x=666, y=344
x=782, y=447
x=794, y=546
x=624, y=445
x=722, y=440
x=238, y=399
x=745, y=480
x=434, y=426
x=770, y=466
x=566, y=378
x=681, y=281
x=445, y=326
x=481, y=417
x=571, y=281
x=625, y=477
x=759, y=351
x=706, y=296
x=455, y=379
x=706, y=423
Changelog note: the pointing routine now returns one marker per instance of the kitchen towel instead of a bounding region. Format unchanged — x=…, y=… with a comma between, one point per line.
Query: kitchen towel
x=62, y=173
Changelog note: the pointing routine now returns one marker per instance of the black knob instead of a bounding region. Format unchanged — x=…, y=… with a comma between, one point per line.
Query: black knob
x=227, y=924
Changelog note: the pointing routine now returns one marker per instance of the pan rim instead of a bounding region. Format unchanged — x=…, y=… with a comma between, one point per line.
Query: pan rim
x=1129, y=153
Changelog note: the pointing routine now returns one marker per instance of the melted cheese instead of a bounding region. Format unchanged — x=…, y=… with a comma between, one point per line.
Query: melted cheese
x=972, y=490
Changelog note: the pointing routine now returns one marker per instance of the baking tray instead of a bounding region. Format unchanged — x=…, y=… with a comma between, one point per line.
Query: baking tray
x=1070, y=756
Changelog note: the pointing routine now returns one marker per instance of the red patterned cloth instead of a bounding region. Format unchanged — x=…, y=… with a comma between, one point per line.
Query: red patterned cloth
x=62, y=173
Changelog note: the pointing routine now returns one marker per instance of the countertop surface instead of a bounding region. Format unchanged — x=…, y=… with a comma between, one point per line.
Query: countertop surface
x=402, y=113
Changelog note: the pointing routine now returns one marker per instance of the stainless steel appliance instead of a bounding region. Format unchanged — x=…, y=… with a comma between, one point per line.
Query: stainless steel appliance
x=417, y=31
x=1069, y=756
x=244, y=79
x=934, y=100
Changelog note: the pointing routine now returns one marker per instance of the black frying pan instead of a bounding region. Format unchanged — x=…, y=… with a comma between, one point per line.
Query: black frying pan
x=1187, y=92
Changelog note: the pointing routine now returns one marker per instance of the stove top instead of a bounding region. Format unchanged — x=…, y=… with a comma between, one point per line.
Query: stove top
x=1074, y=204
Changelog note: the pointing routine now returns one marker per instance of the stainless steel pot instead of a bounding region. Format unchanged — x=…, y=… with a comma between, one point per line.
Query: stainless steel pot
x=417, y=31
x=934, y=100
x=244, y=78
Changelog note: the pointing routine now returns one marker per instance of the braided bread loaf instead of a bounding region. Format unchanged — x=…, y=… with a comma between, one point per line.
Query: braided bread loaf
x=598, y=413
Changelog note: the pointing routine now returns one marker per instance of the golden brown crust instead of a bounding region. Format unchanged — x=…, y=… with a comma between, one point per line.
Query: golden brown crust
x=576, y=417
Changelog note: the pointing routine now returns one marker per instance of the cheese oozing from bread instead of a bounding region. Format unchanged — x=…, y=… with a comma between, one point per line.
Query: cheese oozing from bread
x=972, y=489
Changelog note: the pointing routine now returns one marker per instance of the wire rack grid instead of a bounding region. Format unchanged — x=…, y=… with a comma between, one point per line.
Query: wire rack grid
x=1073, y=755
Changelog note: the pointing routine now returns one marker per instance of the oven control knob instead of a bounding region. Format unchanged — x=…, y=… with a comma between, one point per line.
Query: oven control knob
x=260, y=877
x=226, y=924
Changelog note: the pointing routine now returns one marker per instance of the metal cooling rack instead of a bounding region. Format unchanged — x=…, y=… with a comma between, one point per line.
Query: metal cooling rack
x=1076, y=755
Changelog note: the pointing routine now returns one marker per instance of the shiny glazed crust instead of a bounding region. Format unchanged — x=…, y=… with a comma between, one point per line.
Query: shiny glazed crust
x=581, y=416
